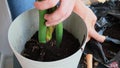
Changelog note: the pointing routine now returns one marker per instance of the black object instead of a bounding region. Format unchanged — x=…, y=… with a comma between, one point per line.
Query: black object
x=109, y=39
x=102, y=52
x=115, y=14
x=108, y=23
x=96, y=49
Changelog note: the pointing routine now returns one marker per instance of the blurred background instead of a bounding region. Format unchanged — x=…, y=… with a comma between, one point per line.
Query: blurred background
x=9, y=10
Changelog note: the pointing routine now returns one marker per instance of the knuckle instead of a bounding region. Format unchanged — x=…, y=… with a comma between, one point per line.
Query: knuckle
x=94, y=18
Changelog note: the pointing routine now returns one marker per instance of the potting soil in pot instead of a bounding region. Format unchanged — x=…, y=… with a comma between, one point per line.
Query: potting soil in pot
x=49, y=51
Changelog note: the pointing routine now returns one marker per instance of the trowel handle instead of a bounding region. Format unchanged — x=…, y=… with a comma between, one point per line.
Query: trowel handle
x=89, y=59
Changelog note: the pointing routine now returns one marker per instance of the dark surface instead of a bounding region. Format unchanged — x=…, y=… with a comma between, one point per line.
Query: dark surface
x=108, y=23
x=49, y=51
x=111, y=50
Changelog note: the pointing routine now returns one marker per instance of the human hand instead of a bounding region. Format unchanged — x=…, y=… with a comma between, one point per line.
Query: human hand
x=89, y=18
x=63, y=11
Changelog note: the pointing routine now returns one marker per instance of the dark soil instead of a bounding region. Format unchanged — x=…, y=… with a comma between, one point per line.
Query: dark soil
x=49, y=51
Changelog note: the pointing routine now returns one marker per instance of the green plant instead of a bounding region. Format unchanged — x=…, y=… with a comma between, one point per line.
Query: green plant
x=42, y=27
x=45, y=33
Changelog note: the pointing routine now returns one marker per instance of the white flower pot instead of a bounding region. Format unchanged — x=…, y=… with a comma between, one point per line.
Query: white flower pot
x=25, y=25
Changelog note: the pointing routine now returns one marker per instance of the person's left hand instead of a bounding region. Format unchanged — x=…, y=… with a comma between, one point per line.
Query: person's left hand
x=63, y=11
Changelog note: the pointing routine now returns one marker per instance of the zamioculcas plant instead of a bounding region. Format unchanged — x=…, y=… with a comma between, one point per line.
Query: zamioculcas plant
x=59, y=33
x=45, y=33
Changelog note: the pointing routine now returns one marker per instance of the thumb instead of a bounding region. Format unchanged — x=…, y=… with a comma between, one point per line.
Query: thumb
x=96, y=36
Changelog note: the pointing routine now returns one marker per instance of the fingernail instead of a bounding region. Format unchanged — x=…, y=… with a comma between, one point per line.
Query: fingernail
x=47, y=24
x=45, y=16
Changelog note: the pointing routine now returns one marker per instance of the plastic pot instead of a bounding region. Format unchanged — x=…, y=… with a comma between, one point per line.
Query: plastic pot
x=25, y=25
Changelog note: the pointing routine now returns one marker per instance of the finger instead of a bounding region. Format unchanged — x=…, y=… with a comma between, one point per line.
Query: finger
x=51, y=23
x=96, y=36
x=61, y=13
x=88, y=38
x=45, y=4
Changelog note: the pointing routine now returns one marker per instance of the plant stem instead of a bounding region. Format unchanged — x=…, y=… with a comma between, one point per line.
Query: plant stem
x=59, y=31
x=59, y=34
x=42, y=27
x=49, y=33
x=45, y=33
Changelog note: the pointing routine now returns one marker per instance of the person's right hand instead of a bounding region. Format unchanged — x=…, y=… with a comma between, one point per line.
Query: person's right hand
x=63, y=11
x=89, y=18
